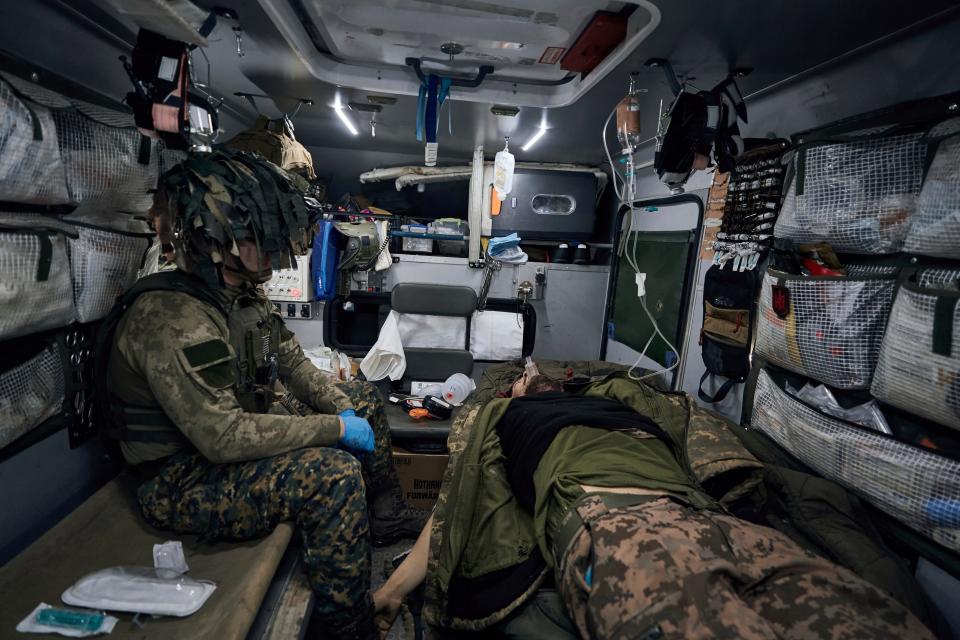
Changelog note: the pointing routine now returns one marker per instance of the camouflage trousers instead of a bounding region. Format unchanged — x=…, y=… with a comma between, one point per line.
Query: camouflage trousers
x=661, y=570
x=322, y=490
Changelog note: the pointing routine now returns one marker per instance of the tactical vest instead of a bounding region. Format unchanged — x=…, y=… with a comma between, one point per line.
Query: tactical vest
x=254, y=335
x=273, y=139
x=255, y=338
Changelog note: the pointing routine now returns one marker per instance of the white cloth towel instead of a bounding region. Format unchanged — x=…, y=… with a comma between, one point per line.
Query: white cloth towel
x=386, y=358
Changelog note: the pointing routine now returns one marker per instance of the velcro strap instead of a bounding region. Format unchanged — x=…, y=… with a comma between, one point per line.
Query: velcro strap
x=587, y=508
x=943, y=315
x=721, y=392
x=46, y=256
x=801, y=169
x=206, y=353
x=143, y=155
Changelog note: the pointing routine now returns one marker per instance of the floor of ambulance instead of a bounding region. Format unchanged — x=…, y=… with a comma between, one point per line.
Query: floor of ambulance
x=381, y=559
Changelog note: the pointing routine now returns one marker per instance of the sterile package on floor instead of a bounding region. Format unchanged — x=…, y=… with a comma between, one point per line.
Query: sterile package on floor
x=66, y=622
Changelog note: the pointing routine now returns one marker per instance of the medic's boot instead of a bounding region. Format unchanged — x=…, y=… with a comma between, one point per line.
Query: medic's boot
x=359, y=625
x=391, y=518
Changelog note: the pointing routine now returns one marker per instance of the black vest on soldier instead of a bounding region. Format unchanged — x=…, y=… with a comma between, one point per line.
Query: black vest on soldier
x=254, y=335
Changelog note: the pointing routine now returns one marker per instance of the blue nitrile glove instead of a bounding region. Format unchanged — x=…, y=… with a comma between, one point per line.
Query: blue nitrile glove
x=588, y=576
x=347, y=413
x=357, y=434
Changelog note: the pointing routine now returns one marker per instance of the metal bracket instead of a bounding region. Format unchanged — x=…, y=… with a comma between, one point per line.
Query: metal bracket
x=483, y=72
x=490, y=268
x=251, y=98
x=663, y=63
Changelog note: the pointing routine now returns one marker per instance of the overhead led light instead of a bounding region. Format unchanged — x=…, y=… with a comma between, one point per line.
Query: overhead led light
x=532, y=141
x=344, y=118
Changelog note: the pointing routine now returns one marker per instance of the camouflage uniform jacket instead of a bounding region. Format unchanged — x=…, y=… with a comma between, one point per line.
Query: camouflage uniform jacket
x=483, y=529
x=200, y=368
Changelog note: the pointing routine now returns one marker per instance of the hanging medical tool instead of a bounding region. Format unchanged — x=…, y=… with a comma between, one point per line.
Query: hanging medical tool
x=164, y=103
x=434, y=90
x=238, y=32
x=628, y=118
x=372, y=109
x=503, y=171
x=490, y=267
x=698, y=127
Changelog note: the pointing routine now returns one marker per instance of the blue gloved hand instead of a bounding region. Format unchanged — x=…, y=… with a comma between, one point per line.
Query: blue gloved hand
x=357, y=434
x=347, y=413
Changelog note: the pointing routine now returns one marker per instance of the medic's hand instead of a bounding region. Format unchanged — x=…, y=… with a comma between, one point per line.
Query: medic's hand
x=347, y=413
x=356, y=434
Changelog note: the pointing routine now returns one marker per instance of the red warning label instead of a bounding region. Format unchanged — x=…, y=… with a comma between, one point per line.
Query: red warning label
x=552, y=55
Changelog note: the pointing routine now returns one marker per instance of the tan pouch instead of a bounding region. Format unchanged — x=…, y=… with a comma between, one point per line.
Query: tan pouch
x=730, y=325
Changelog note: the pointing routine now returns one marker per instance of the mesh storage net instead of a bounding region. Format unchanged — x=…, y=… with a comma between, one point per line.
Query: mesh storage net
x=34, y=294
x=31, y=168
x=919, y=488
x=935, y=229
x=832, y=330
x=103, y=163
x=911, y=374
x=858, y=196
x=30, y=393
x=104, y=263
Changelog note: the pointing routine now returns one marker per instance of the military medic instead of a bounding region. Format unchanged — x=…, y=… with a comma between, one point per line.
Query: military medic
x=230, y=427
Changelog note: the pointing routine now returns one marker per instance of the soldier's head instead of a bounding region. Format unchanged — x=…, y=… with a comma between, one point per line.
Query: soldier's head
x=229, y=217
x=527, y=385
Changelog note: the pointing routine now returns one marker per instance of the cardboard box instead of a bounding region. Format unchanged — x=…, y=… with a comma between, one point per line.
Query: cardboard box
x=421, y=475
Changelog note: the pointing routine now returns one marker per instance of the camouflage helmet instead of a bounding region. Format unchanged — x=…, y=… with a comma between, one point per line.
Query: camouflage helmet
x=205, y=205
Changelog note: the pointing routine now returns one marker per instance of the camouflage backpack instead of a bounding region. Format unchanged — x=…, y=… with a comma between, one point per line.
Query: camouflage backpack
x=273, y=139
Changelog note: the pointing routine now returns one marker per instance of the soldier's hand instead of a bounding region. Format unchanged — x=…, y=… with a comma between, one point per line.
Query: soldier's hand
x=356, y=434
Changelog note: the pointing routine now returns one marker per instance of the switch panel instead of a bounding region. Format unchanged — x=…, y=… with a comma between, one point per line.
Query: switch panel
x=291, y=285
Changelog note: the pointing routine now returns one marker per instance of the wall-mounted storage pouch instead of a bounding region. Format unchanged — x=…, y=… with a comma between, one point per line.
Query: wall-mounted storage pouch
x=111, y=167
x=919, y=366
x=827, y=328
x=35, y=288
x=935, y=228
x=858, y=195
x=32, y=389
x=104, y=261
x=31, y=168
x=915, y=486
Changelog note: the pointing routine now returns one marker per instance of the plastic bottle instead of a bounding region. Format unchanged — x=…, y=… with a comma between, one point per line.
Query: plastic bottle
x=457, y=388
x=628, y=119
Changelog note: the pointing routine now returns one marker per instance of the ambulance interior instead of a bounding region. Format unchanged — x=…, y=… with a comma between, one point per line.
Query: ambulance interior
x=757, y=204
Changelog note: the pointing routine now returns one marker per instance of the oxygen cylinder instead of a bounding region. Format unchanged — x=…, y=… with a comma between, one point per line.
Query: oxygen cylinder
x=628, y=119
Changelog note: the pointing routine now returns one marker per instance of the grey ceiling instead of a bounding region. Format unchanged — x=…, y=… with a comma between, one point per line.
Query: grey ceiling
x=778, y=39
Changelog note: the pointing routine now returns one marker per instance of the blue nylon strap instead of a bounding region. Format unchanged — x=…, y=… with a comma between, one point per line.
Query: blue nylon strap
x=430, y=121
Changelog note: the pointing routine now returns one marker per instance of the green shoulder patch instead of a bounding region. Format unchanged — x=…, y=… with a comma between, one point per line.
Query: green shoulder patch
x=206, y=353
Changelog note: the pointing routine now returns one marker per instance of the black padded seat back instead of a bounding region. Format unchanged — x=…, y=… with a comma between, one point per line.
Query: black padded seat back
x=433, y=299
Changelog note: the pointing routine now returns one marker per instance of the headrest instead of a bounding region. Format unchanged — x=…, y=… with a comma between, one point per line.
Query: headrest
x=433, y=299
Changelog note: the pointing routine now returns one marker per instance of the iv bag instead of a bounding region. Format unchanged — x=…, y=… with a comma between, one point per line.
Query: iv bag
x=503, y=173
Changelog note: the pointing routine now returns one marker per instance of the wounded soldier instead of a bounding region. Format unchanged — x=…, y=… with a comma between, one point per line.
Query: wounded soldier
x=626, y=496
